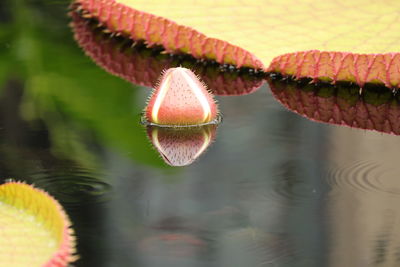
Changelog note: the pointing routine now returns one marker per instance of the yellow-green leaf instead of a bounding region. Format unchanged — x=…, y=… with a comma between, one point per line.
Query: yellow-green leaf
x=144, y=67
x=290, y=34
x=35, y=231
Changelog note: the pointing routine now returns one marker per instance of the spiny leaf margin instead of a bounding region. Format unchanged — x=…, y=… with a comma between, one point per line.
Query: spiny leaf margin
x=175, y=38
x=47, y=212
x=312, y=27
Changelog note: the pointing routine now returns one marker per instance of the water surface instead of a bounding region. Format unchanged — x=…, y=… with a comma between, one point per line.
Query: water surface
x=273, y=189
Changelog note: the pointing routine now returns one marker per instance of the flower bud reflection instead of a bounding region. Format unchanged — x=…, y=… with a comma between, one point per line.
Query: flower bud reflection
x=180, y=146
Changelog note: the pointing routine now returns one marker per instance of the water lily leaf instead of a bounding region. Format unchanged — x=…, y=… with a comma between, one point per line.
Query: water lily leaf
x=350, y=40
x=144, y=66
x=35, y=231
x=373, y=109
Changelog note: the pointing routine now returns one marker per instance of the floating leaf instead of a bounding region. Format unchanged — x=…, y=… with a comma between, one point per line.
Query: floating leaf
x=144, y=66
x=351, y=40
x=373, y=109
x=35, y=231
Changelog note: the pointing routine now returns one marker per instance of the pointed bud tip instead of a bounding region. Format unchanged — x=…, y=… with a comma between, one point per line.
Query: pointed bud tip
x=181, y=99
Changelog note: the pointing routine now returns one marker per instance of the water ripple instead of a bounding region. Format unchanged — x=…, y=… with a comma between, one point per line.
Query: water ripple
x=74, y=186
x=283, y=188
x=366, y=176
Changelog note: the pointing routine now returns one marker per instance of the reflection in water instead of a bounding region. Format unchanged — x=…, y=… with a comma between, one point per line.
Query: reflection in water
x=366, y=176
x=260, y=197
x=363, y=200
x=74, y=187
x=362, y=213
x=171, y=245
x=143, y=66
x=26, y=155
x=137, y=64
x=376, y=108
x=180, y=146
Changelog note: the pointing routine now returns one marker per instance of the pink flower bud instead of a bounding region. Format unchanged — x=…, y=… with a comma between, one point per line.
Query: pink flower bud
x=181, y=99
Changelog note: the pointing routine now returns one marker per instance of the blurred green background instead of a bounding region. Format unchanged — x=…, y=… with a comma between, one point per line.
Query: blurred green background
x=65, y=90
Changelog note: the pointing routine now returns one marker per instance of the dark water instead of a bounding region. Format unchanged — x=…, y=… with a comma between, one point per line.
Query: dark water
x=273, y=189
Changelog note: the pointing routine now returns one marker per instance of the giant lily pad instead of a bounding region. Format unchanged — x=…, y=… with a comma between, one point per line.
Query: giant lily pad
x=144, y=66
x=339, y=40
x=374, y=109
x=35, y=231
